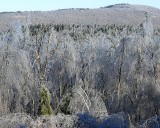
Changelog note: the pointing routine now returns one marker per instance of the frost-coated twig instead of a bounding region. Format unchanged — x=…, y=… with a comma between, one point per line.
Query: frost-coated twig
x=84, y=96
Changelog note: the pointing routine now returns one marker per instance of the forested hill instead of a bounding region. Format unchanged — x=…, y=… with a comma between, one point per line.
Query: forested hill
x=119, y=14
x=80, y=68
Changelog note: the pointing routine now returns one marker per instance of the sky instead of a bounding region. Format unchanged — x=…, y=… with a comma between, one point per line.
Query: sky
x=48, y=5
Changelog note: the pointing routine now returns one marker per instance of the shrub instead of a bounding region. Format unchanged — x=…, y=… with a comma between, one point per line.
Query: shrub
x=65, y=103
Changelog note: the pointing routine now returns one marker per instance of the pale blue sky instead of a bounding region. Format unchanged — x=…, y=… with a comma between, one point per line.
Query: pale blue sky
x=46, y=5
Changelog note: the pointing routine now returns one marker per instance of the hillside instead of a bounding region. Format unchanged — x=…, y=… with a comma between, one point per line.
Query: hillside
x=80, y=68
x=132, y=15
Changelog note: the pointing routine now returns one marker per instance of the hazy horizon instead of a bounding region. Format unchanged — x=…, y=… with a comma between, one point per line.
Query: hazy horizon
x=48, y=5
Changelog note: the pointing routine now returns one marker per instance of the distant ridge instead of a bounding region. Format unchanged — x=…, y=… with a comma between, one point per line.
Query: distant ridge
x=117, y=5
x=125, y=14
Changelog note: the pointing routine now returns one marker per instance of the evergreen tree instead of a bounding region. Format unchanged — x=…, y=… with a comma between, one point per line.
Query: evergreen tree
x=45, y=99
